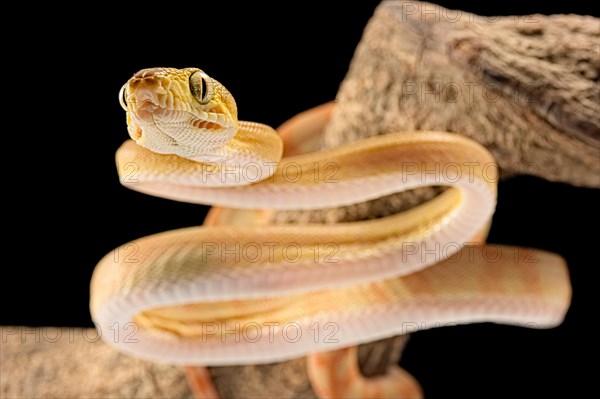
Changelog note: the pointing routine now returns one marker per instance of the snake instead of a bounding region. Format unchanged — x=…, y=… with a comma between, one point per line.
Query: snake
x=232, y=293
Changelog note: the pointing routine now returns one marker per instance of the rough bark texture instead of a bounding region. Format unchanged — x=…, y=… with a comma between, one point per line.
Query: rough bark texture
x=526, y=87
x=52, y=362
x=74, y=363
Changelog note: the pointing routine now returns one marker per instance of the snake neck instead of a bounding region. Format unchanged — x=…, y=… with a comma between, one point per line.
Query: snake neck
x=252, y=155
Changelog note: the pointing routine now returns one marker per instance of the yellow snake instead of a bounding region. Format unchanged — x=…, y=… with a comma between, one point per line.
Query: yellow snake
x=235, y=294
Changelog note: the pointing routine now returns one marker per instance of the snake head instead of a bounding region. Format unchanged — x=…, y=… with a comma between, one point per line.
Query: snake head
x=178, y=111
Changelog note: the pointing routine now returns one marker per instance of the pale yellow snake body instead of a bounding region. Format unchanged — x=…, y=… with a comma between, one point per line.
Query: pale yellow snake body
x=225, y=295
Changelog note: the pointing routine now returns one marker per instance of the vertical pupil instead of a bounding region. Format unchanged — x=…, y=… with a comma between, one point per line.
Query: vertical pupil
x=199, y=87
x=203, y=88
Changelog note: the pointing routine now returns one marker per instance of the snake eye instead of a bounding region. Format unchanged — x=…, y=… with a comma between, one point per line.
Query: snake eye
x=122, y=97
x=201, y=86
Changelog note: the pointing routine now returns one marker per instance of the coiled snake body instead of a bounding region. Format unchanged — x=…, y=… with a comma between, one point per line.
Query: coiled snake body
x=293, y=290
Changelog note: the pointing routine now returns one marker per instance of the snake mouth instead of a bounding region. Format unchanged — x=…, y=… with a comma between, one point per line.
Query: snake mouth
x=200, y=124
x=217, y=117
x=154, y=112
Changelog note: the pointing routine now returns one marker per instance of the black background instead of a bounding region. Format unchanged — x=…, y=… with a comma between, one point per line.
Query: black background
x=73, y=125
